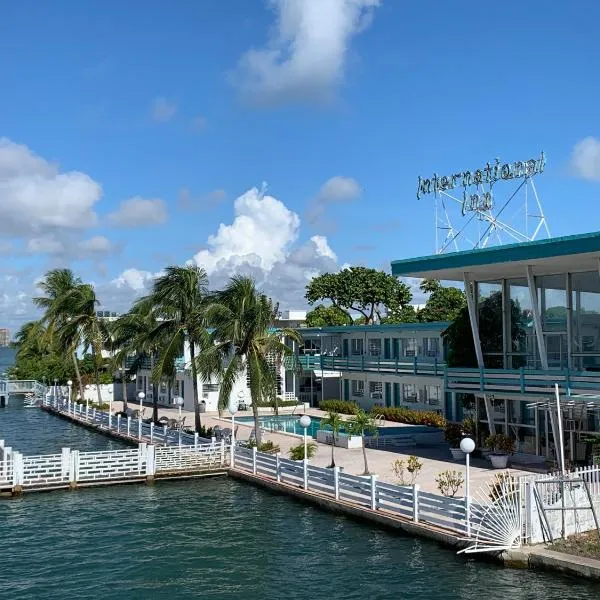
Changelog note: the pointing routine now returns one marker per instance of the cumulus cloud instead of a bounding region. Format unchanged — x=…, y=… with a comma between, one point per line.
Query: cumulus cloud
x=306, y=55
x=139, y=212
x=334, y=191
x=37, y=198
x=585, y=159
x=163, y=110
x=261, y=242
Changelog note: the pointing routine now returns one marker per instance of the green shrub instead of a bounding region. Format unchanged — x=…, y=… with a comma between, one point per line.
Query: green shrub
x=449, y=482
x=500, y=443
x=280, y=403
x=297, y=452
x=343, y=407
x=401, y=414
x=269, y=447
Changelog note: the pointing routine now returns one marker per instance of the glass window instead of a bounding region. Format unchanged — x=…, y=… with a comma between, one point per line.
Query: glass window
x=586, y=320
x=210, y=387
x=431, y=347
x=376, y=390
x=433, y=394
x=358, y=387
x=409, y=347
x=357, y=346
x=374, y=346
x=409, y=392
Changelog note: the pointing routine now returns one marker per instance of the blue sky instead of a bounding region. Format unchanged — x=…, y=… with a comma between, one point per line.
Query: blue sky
x=337, y=105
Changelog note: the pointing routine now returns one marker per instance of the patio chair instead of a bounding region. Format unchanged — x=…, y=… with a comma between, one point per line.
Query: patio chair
x=181, y=423
x=226, y=435
x=217, y=433
x=172, y=423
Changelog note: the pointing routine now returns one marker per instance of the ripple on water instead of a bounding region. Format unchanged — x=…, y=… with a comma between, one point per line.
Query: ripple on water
x=221, y=539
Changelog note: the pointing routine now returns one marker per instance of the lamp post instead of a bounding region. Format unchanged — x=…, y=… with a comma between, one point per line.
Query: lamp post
x=232, y=407
x=141, y=396
x=467, y=445
x=305, y=422
x=70, y=388
x=178, y=401
x=86, y=392
x=55, y=390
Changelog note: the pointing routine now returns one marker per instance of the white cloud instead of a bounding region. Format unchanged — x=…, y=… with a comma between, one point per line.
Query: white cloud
x=306, y=55
x=260, y=242
x=134, y=279
x=96, y=245
x=36, y=197
x=163, y=110
x=585, y=159
x=139, y=212
x=335, y=190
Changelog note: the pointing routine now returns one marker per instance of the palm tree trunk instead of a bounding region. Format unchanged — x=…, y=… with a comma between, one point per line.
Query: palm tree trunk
x=257, y=430
x=154, y=403
x=78, y=375
x=332, y=450
x=197, y=420
x=97, y=378
x=365, y=456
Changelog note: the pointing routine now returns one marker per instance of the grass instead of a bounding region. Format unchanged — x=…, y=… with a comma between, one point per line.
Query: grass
x=583, y=544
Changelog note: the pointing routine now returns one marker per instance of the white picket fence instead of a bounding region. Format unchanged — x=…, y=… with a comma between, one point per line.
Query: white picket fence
x=72, y=467
x=406, y=501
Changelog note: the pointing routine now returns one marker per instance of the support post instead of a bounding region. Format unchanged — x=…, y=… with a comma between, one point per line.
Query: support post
x=166, y=435
x=196, y=436
x=140, y=428
x=277, y=466
x=416, y=502
x=150, y=463
x=254, y=460
x=537, y=319
x=373, y=492
x=73, y=468
x=336, y=482
x=128, y=425
x=18, y=474
x=151, y=432
x=232, y=460
x=142, y=454
x=223, y=452
x=65, y=461
x=5, y=458
x=119, y=423
x=305, y=473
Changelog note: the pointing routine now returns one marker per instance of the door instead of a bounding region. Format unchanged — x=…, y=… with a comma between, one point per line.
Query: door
x=396, y=348
x=388, y=394
x=346, y=389
x=345, y=348
x=396, y=394
x=386, y=348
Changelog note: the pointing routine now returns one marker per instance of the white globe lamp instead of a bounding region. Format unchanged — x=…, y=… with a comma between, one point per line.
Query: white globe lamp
x=467, y=445
x=305, y=422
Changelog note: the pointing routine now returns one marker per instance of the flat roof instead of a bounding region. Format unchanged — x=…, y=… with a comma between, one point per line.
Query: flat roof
x=428, y=326
x=572, y=253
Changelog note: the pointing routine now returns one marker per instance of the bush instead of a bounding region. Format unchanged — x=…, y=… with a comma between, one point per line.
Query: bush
x=297, y=452
x=269, y=447
x=407, y=471
x=410, y=417
x=500, y=443
x=504, y=483
x=205, y=432
x=280, y=403
x=344, y=407
x=449, y=482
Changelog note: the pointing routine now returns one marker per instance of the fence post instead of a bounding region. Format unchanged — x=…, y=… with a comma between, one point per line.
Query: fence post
x=373, y=492
x=196, y=436
x=73, y=468
x=142, y=454
x=128, y=425
x=17, y=472
x=94, y=413
x=278, y=466
x=5, y=459
x=150, y=463
x=65, y=461
x=336, y=482
x=232, y=460
x=213, y=440
x=166, y=435
x=305, y=472
x=140, y=428
x=119, y=423
x=222, y=452
x=254, y=451
x=151, y=432
x=416, y=502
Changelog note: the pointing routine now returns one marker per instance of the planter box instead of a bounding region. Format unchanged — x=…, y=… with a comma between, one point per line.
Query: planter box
x=499, y=461
x=457, y=454
x=342, y=440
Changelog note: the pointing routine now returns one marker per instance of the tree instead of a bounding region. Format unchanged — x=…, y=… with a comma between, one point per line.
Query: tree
x=178, y=301
x=327, y=316
x=443, y=304
x=403, y=314
x=361, y=424
x=56, y=285
x=367, y=291
x=334, y=421
x=244, y=343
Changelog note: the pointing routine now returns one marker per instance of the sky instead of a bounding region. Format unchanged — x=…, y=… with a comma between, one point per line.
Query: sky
x=277, y=138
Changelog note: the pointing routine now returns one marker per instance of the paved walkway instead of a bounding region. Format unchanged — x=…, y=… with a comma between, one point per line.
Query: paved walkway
x=435, y=459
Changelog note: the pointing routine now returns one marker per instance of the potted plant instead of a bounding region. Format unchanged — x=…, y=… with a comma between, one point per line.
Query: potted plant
x=501, y=447
x=453, y=435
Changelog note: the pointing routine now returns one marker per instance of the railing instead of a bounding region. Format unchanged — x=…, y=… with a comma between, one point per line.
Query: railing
x=26, y=387
x=406, y=501
x=521, y=381
x=71, y=467
x=371, y=364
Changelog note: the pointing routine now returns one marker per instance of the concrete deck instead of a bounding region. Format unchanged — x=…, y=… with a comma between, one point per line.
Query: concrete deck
x=435, y=458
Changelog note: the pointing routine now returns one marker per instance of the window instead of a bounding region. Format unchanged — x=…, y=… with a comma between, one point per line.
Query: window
x=178, y=390
x=433, y=394
x=210, y=387
x=432, y=347
x=358, y=388
x=357, y=346
x=409, y=392
x=374, y=347
x=141, y=382
x=409, y=347
x=375, y=390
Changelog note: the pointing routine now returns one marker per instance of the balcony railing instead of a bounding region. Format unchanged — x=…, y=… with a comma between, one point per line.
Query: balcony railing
x=369, y=364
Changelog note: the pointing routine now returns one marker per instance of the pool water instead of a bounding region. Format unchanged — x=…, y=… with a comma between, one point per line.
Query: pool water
x=291, y=424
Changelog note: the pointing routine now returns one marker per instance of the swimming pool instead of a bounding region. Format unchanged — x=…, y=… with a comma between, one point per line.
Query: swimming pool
x=291, y=424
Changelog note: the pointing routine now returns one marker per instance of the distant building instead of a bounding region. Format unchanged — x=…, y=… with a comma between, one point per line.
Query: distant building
x=107, y=315
x=4, y=337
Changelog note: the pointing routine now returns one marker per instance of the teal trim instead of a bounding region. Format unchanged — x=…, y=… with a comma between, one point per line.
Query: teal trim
x=386, y=348
x=396, y=394
x=400, y=327
x=388, y=393
x=550, y=248
x=346, y=389
x=345, y=347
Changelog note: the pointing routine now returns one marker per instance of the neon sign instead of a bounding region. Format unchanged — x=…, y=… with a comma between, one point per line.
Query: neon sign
x=489, y=175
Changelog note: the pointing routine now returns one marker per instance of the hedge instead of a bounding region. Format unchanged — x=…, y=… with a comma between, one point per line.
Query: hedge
x=339, y=406
x=410, y=416
x=280, y=403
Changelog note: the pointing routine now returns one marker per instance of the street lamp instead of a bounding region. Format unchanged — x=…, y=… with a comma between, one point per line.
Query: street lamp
x=70, y=387
x=305, y=422
x=141, y=396
x=232, y=407
x=467, y=445
x=178, y=401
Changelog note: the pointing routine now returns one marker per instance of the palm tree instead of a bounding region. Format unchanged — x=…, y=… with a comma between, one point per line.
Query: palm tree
x=79, y=325
x=245, y=343
x=56, y=285
x=335, y=422
x=132, y=340
x=361, y=424
x=178, y=301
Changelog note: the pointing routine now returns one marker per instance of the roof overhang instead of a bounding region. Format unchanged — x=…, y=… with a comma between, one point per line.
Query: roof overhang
x=573, y=254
